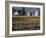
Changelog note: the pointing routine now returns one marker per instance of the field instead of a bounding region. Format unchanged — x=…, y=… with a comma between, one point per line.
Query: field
x=26, y=23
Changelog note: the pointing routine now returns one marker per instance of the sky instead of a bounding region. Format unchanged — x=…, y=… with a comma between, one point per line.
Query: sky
x=30, y=9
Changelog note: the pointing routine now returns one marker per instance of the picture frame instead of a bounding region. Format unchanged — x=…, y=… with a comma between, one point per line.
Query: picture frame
x=10, y=15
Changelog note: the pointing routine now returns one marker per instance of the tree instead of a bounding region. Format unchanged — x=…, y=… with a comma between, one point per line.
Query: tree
x=19, y=11
x=23, y=11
